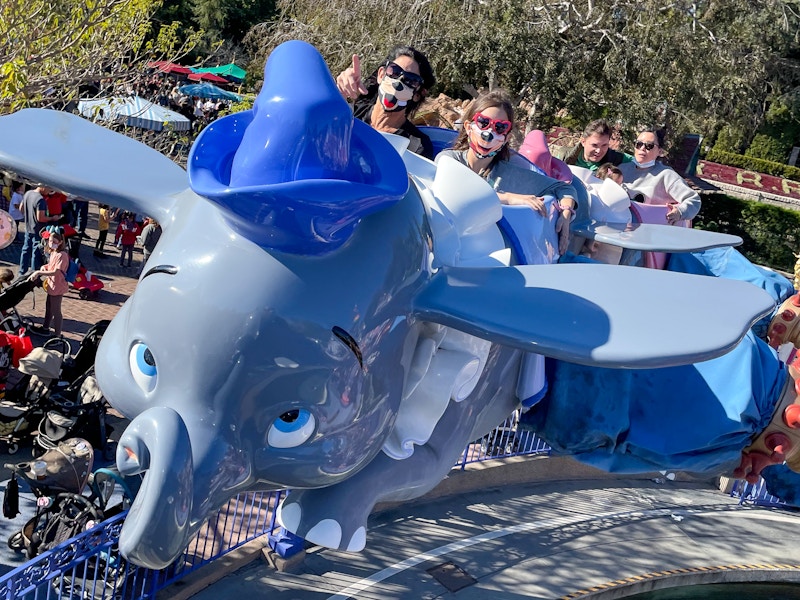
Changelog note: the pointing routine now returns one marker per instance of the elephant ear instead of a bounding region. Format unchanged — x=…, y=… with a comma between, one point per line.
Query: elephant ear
x=76, y=156
x=600, y=315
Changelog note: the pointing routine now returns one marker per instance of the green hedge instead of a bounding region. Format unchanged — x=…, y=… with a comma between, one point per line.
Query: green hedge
x=771, y=234
x=753, y=164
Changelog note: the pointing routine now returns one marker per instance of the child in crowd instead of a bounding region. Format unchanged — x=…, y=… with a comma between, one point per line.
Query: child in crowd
x=127, y=231
x=54, y=281
x=103, y=221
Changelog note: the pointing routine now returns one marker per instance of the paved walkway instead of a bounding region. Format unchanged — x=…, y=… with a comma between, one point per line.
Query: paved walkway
x=575, y=539
x=80, y=315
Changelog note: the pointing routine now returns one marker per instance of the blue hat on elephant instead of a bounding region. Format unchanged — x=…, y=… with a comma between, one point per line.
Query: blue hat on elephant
x=297, y=172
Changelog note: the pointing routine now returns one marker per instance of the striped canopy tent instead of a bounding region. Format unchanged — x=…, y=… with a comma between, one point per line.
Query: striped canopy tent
x=169, y=67
x=210, y=77
x=230, y=71
x=208, y=90
x=134, y=112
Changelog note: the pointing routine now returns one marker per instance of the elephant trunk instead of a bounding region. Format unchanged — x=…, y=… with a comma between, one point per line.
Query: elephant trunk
x=158, y=525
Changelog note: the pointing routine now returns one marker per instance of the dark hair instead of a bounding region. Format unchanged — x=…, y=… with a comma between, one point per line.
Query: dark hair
x=661, y=135
x=425, y=69
x=599, y=127
x=497, y=98
x=606, y=169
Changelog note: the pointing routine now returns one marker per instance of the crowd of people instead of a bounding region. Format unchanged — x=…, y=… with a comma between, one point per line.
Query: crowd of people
x=164, y=89
x=51, y=226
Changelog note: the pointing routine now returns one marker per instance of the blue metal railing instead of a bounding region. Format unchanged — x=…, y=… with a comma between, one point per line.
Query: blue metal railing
x=754, y=493
x=89, y=566
x=504, y=441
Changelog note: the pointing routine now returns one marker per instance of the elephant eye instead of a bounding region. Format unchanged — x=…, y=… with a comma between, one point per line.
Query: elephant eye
x=143, y=367
x=291, y=429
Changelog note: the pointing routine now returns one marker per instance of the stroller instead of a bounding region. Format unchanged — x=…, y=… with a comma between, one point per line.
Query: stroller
x=23, y=403
x=503, y=440
x=57, y=479
x=77, y=407
x=78, y=410
x=58, y=393
x=10, y=296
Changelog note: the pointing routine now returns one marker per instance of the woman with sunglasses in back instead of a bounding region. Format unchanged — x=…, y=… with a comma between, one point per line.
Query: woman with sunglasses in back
x=482, y=145
x=658, y=183
x=389, y=97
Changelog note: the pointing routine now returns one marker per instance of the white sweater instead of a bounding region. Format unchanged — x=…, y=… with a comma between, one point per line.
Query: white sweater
x=661, y=185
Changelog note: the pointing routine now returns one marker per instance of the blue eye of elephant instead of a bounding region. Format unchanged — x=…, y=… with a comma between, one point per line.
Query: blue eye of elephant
x=291, y=429
x=143, y=367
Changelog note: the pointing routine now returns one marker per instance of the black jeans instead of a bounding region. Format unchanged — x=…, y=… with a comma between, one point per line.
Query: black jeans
x=101, y=240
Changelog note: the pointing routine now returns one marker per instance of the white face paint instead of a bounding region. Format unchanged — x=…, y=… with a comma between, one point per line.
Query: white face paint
x=394, y=94
x=484, y=142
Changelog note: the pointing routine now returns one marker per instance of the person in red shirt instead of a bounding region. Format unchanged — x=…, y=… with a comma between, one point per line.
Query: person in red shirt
x=55, y=204
x=127, y=231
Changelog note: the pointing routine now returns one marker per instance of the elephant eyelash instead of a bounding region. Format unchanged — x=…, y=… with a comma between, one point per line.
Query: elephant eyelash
x=350, y=342
x=168, y=269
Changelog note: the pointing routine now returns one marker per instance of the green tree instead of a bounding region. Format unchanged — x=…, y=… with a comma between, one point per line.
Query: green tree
x=781, y=131
x=54, y=49
x=690, y=65
x=224, y=23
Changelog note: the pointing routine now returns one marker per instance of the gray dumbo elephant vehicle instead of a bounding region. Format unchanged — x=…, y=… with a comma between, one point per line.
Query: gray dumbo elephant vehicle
x=329, y=313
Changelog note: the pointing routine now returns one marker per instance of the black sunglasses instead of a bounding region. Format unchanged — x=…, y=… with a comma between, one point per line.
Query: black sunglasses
x=395, y=71
x=646, y=145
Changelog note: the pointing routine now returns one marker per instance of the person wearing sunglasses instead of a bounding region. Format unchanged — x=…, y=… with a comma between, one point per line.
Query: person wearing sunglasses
x=593, y=149
x=658, y=183
x=389, y=98
x=482, y=145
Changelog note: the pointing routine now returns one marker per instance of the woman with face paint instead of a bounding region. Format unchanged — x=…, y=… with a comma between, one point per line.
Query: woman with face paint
x=658, y=183
x=482, y=145
x=54, y=282
x=389, y=97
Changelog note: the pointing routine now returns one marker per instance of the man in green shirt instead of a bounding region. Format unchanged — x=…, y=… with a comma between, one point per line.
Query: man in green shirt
x=592, y=150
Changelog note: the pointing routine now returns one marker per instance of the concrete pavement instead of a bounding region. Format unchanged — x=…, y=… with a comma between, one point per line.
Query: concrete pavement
x=588, y=538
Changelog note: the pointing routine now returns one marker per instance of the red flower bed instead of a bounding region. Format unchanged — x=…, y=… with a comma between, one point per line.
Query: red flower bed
x=751, y=180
